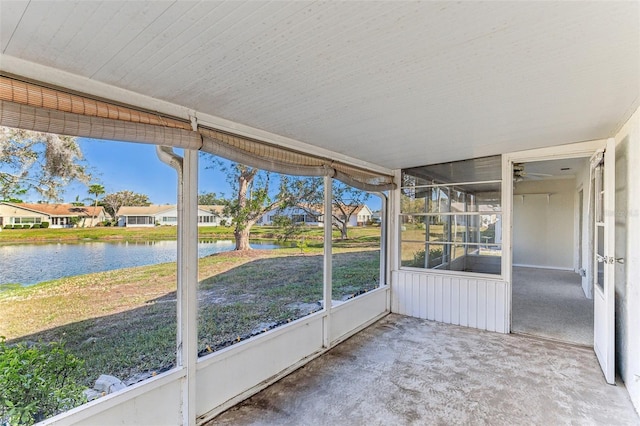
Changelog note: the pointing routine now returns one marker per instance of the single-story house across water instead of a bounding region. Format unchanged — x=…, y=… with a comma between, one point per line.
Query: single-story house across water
x=141, y=216
x=56, y=215
x=312, y=215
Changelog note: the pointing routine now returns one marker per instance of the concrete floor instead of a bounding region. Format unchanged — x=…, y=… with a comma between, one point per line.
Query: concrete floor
x=551, y=304
x=405, y=370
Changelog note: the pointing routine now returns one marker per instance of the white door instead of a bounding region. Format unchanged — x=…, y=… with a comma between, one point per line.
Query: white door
x=603, y=180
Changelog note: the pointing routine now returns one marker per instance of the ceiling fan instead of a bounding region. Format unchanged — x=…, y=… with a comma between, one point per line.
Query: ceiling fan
x=519, y=174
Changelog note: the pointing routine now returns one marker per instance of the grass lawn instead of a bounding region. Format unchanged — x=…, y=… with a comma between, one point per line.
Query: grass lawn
x=123, y=322
x=161, y=233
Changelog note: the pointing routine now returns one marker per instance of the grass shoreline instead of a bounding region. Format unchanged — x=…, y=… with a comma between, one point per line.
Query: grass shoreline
x=155, y=233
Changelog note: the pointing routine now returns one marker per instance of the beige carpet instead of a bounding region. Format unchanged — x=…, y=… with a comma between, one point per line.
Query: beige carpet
x=408, y=371
x=551, y=304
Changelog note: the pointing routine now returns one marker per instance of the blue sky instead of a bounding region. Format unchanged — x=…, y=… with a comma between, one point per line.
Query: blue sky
x=120, y=166
x=135, y=167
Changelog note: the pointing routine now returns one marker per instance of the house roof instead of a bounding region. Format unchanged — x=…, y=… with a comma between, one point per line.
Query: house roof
x=319, y=209
x=61, y=209
x=150, y=210
x=357, y=211
x=217, y=209
x=391, y=84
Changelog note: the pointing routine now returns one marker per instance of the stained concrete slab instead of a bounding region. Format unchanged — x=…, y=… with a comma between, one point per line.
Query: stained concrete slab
x=550, y=303
x=408, y=371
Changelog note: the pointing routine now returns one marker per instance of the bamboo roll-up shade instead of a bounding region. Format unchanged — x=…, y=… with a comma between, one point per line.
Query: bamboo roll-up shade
x=271, y=164
x=42, y=97
x=261, y=155
x=65, y=123
x=282, y=160
x=363, y=179
x=262, y=149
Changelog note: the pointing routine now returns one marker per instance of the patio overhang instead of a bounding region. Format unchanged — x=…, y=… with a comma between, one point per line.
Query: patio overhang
x=349, y=81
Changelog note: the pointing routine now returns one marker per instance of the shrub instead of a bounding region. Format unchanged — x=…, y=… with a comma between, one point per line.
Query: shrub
x=418, y=259
x=38, y=382
x=36, y=226
x=44, y=225
x=435, y=258
x=8, y=226
x=17, y=226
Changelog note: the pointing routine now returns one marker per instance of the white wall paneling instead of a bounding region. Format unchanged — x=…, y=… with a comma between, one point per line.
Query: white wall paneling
x=349, y=318
x=467, y=300
x=231, y=375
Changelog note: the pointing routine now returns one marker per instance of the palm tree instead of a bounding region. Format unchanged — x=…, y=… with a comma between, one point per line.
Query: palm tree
x=97, y=190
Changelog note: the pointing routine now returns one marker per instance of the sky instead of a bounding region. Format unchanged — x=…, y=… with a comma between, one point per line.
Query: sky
x=120, y=166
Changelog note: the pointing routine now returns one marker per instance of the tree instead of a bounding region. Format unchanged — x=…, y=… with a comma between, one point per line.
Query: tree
x=77, y=202
x=40, y=161
x=96, y=190
x=288, y=227
x=210, y=199
x=253, y=197
x=13, y=200
x=347, y=200
x=112, y=202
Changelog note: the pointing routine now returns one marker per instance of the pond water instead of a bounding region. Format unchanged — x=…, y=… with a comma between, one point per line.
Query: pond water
x=28, y=264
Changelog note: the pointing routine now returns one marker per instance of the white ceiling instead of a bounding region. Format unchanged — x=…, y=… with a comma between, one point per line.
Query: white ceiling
x=396, y=84
x=557, y=169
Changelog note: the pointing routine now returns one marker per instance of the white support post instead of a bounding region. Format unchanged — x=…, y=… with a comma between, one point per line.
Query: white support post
x=187, y=263
x=187, y=284
x=507, y=227
x=328, y=257
x=384, y=248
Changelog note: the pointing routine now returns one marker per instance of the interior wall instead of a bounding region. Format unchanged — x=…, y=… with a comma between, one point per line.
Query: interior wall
x=627, y=288
x=543, y=223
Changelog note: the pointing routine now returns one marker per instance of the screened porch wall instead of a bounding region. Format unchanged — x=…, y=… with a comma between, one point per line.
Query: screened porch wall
x=471, y=290
x=227, y=377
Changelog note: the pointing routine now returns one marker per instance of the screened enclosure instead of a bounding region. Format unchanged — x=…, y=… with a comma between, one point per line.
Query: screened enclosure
x=451, y=216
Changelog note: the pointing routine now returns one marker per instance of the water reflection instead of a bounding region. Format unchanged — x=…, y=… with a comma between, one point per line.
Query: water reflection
x=28, y=264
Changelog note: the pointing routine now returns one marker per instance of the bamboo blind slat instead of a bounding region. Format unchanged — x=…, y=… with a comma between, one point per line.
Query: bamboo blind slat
x=42, y=97
x=64, y=123
x=299, y=161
